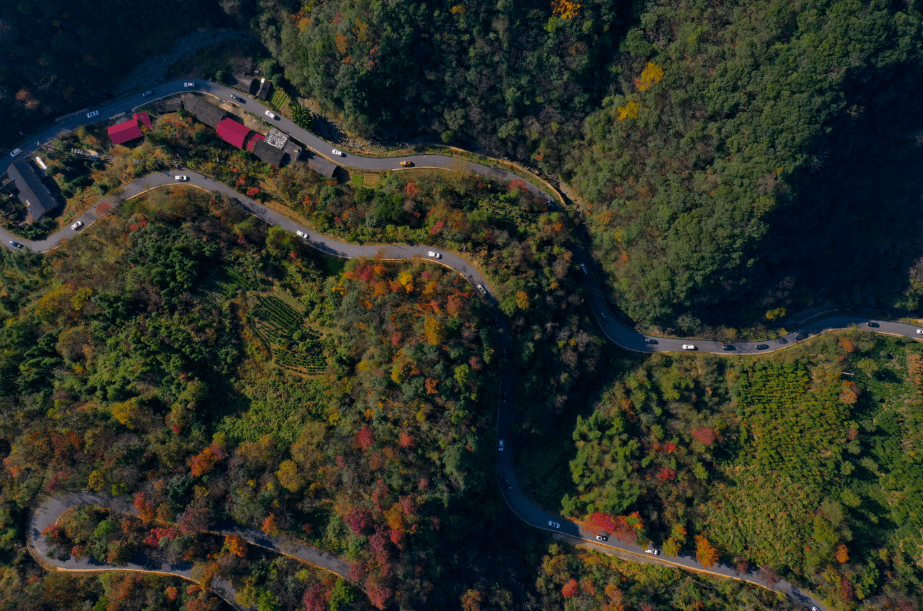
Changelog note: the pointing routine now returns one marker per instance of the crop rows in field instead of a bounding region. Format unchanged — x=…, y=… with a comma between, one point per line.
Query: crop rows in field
x=277, y=322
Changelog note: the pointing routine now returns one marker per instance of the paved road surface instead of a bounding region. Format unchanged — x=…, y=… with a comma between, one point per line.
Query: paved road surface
x=615, y=330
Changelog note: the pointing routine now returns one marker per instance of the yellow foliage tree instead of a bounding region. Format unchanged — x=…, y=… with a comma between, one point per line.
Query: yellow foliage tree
x=565, y=9
x=842, y=554
x=126, y=412
x=650, y=76
x=290, y=476
x=432, y=329
x=522, y=300
x=629, y=110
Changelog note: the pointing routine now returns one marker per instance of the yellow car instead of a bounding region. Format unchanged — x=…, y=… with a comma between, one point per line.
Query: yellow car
x=406, y=164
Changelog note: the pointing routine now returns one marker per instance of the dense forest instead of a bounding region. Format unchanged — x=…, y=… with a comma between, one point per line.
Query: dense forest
x=803, y=464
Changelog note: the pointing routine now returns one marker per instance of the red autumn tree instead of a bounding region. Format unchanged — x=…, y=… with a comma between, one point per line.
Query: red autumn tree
x=365, y=437
x=571, y=588
x=206, y=460
x=704, y=435
x=269, y=525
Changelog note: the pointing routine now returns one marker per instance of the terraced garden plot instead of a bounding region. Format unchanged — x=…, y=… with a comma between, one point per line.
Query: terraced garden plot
x=293, y=345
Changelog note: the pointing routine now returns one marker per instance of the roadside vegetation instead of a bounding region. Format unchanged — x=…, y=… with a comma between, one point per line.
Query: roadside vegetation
x=801, y=464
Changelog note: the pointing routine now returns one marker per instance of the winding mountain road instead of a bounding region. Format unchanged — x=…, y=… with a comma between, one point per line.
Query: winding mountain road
x=616, y=331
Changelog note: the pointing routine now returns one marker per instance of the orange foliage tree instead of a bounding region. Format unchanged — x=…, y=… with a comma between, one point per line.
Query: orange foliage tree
x=705, y=552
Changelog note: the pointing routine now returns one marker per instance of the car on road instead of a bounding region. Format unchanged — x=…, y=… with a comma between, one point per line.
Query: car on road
x=77, y=225
x=652, y=551
x=604, y=317
x=602, y=538
x=554, y=524
x=189, y=84
x=15, y=152
x=762, y=346
x=270, y=114
x=727, y=347
x=181, y=178
x=583, y=267
x=650, y=340
x=406, y=164
x=919, y=331
x=16, y=245
x=301, y=234
x=235, y=98
x=781, y=340
x=496, y=323
x=801, y=336
x=688, y=346
x=482, y=289
x=504, y=396
x=500, y=449
x=147, y=93
x=92, y=113
x=814, y=609
x=433, y=254
x=873, y=324
x=508, y=483
x=337, y=152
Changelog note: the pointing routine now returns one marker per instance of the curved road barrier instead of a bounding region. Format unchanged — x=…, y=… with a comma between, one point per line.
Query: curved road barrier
x=615, y=330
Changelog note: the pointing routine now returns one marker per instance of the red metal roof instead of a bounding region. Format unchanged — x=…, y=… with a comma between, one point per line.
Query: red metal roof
x=143, y=117
x=123, y=132
x=256, y=137
x=232, y=132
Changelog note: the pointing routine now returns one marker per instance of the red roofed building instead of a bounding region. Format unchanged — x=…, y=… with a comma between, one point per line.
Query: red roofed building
x=256, y=137
x=232, y=132
x=123, y=132
x=143, y=117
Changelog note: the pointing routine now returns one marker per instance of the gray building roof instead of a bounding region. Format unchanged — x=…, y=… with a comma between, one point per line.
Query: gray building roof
x=265, y=87
x=322, y=166
x=32, y=192
x=246, y=83
x=203, y=111
x=269, y=154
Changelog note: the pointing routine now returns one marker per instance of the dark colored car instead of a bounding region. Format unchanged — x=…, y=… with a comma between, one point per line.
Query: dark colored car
x=728, y=347
x=649, y=340
x=801, y=336
x=781, y=340
x=762, y=347
x=508, y=483
x=16, y=245
x=873, y=324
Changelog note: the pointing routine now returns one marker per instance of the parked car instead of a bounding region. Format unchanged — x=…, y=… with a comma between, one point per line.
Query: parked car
x=337, y=152
x=92, y=113
x=688, y=347
x=583, y=267
x=602, y=538
x=501, y=445
x=189, y=84
x=270, y=114
x=873, y=324
x=554, y=524
x=508, y=483
x=762, y=346
x=15, y=152
x=181, y=178
x=482, y=289
x=652, y=551
x=147, y=93
x=727, y=347
x=77, y=225
x=801, y=336
x=301, y=234
x=433, y=254
x=16, y=245
x=406, y=164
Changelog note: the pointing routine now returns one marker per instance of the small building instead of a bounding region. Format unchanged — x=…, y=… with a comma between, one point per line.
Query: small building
x=254, y=138
x=32, y=192
x=265, y=87
x=203, y=111
x=245, y=83
x=322, y=166
x=267, y=153
x=125, y=131
x=276, y=138
x=232, y=132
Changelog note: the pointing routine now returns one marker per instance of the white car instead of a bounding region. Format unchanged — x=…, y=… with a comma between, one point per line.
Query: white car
x=181, y=178
x=92, y=114
x=189, y=84
x=270, y=114
x=482, y=289
x=235, y=98
x=147, y=93
x=652, y=551
x=77, y=225
x=301, y=234
x=688, y=347
x=501, y=445
x=553, y=524
x=337, y=152
x=15, y=152
x=602, y=538
x=433, y=254
x=919, y=331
